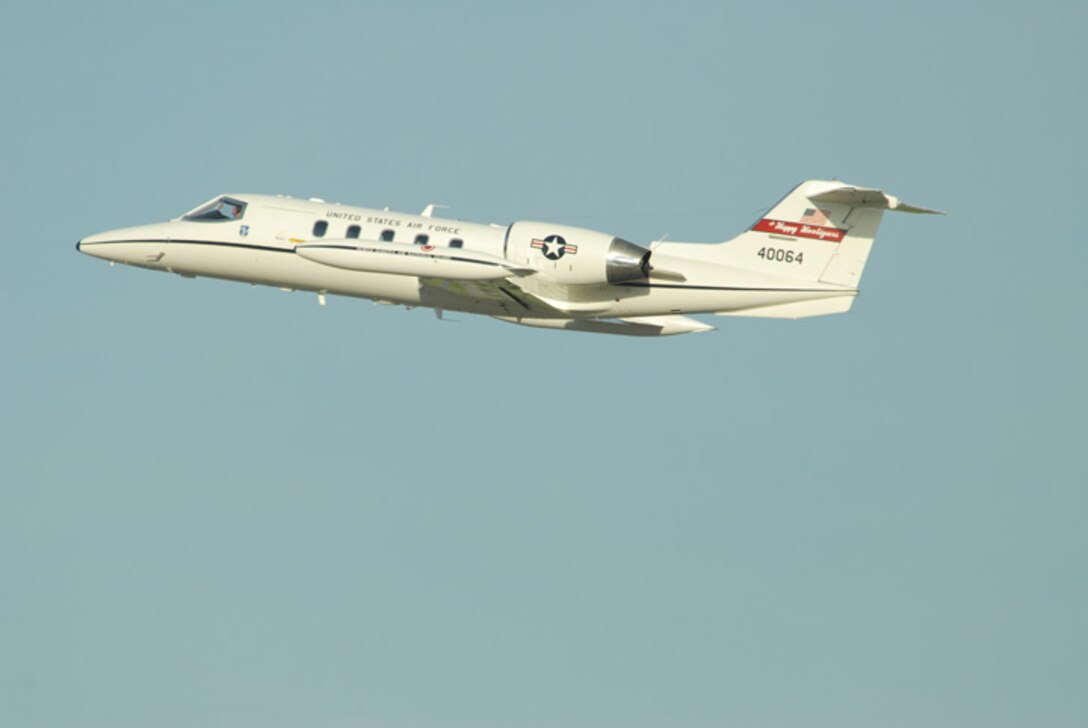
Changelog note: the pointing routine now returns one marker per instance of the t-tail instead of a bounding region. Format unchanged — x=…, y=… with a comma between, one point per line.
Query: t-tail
x=819, y=234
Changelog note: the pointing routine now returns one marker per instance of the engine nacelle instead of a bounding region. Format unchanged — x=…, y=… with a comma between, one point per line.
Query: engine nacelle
x=576, y=256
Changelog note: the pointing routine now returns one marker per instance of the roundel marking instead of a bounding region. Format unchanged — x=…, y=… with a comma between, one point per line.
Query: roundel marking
x=554, y=247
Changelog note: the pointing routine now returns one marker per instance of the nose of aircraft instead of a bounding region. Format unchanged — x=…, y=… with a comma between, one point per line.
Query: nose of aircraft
x=127, y=245
x=110, y=236
x=96, y=245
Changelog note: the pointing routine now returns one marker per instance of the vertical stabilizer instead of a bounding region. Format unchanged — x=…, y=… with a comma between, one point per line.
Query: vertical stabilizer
x=821, y=232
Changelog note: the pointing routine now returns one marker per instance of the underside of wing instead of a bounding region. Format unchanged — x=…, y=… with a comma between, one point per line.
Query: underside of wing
x=670, y=325
x=495, y=298
x=506, y=301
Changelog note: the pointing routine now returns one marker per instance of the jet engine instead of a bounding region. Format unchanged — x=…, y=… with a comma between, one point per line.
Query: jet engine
x=576, y=256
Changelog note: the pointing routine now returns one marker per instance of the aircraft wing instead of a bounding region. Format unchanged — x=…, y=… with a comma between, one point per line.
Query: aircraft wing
x=515, y=305
x=507, y=298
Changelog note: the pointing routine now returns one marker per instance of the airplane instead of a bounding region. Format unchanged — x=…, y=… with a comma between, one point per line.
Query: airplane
x=803, y=258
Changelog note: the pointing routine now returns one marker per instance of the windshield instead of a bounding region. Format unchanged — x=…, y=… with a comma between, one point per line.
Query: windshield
x=221, y=208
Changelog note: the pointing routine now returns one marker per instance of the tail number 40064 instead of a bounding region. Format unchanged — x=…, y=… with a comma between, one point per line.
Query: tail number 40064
x=780, y=255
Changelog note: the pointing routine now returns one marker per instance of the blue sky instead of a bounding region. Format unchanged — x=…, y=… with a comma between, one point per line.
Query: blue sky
x=229, y=506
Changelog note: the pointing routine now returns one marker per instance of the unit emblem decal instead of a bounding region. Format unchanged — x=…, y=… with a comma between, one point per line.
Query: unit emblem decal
x=244, y=230
x=554, y=247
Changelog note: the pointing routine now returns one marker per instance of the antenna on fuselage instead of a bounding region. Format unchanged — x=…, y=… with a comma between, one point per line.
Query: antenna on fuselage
x=428, y=211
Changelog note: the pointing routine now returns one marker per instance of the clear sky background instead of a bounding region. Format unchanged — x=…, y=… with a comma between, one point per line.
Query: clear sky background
x=228, y=506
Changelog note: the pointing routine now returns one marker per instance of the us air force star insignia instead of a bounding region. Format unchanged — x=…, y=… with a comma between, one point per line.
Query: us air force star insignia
x=554, y=247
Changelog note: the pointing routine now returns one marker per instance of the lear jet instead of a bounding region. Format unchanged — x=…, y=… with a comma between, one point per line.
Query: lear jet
x=803, y=258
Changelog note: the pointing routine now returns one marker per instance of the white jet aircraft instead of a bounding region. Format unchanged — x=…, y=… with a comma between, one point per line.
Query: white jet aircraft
x=803, y=258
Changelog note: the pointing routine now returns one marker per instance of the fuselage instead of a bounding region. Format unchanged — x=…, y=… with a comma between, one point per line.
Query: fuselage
x=258, y=245
x=275, y=241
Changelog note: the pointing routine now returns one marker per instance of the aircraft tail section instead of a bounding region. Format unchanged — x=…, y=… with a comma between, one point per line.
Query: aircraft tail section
x=821, y=232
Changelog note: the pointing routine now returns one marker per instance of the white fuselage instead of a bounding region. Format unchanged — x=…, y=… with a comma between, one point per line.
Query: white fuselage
x=265, y=245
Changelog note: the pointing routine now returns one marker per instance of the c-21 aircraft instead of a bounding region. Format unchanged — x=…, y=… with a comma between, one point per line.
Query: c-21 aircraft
x=802, y=258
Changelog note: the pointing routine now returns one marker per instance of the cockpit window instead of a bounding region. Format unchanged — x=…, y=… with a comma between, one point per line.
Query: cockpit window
x=219, y=209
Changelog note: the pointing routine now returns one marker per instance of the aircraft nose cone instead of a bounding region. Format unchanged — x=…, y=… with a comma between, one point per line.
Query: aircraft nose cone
x=97, y=245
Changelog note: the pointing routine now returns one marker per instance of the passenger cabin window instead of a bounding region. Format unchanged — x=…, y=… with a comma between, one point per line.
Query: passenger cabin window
x=320, y=227
x=353, y=231
x=218, y=210
x=387, y=236
x=421, y=239
x=457, y=243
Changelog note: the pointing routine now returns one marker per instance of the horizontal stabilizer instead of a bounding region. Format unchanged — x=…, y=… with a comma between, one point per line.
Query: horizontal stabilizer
x=860, y=197
x=903, y=207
